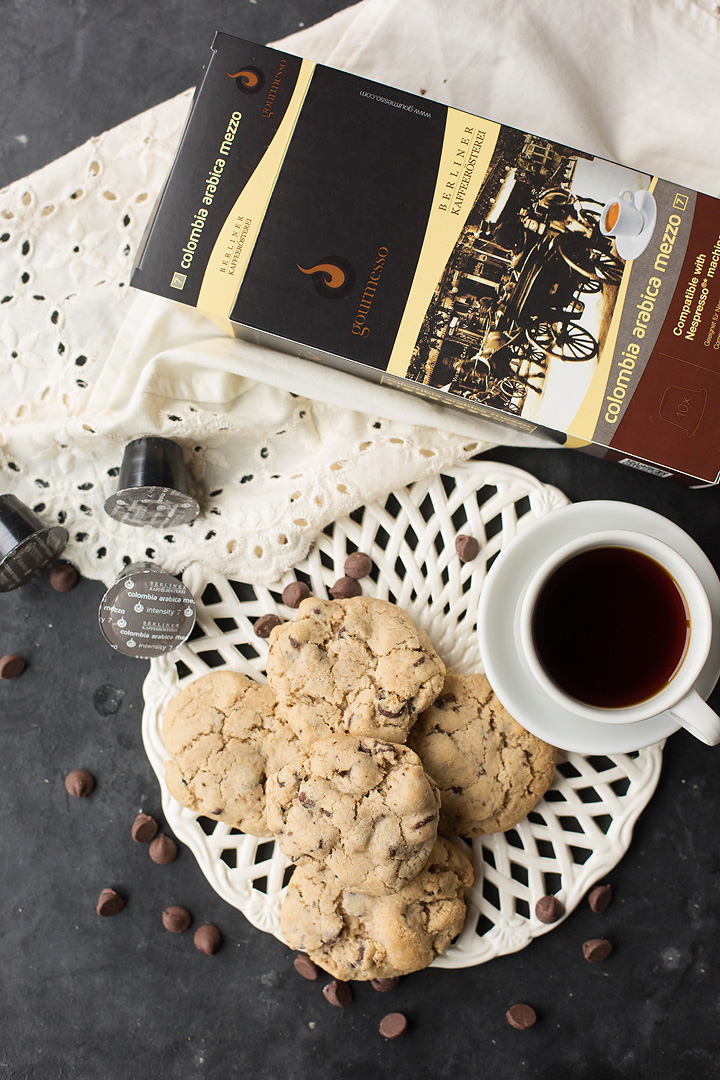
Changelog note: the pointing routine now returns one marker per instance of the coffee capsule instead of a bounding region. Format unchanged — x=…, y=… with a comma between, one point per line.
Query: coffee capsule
x=147, y=612
x=27, y=544
x=152, y=488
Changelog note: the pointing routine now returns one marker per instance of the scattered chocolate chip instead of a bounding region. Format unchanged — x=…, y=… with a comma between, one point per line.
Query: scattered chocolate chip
x=467, y=548
x=338, y=993
x=79, y=783
x=63, y=577
x=305, y=967
x=392, y=1025
x=599, y=898
x=265, y=624
x=294, y=593
x=344, y=588
x=11, y=666
x=144, y=828
x=207, y=939
x=548, y=909
x=176, y=919
x=521, y=1017
x=596, y=949
x=383, y=985
x=109, y=903
x=163, y=850
x=358, y=565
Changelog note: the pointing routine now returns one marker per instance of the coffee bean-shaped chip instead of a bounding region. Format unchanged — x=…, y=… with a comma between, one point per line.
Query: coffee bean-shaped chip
x=393, y=1025
x=79, y=783
x=548, y=909
x=176, y=919
x=467, y=548
x=162, y=850
x=63, y=577
x=11, y=666
x=305, y=967
x=338, y=993
x=344, y=588
x=207, y=938
x=596, y=949
x=521, y=1017
x=144, y=828
x=599, y=898
x=265, y=624
x=383, y=985
x=294, y=593
x=109, y=903
x=358, y=565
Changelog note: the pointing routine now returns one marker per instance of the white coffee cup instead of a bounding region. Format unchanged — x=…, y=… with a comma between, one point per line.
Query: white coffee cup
x=620, y=216
x=676, y=696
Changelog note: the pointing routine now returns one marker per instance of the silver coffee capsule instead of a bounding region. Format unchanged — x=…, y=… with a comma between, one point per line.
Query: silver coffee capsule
x=27, y=544
x=147, y=612
x=152, y=487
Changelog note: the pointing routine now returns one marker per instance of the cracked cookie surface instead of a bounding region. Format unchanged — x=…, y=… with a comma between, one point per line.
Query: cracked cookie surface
x=224, y=738
x=364, y=807
x=358, y=666
x=490, y=770
x=356, y=936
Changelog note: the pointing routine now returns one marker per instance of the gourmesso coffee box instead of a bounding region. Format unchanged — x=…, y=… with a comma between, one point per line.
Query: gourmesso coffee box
x=446, y=255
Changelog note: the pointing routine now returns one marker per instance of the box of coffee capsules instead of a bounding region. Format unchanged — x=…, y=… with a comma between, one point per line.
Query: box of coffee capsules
x=431, y=250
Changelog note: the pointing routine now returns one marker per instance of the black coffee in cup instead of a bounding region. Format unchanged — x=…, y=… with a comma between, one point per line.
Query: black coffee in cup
x=610, y=627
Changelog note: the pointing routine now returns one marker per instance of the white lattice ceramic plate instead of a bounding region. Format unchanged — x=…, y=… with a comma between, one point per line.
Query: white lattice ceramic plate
x=575, y=835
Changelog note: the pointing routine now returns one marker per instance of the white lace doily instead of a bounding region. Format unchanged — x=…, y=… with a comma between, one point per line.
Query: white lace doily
x=574, y=835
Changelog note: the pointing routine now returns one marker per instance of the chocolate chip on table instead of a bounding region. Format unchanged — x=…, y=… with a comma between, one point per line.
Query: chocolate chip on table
x=392, y=1025
x=176, y=919
x=596, y=949
x=144, y=828
x=338, y=993
x=548, y=909
x=63, y=577
x=294, y=593
x=599, y=898
x=109, y=903
x=521, y=1017
x=79, y=783
x=358, y=565
x=11, y=666
x=305, y=967
x=344, y=588
x=265, y=624
x=208, y=939
x=383, y=985
x=467, y=548
x=162, y=850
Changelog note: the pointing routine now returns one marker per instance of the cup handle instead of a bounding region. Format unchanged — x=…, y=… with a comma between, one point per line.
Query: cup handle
x=698, y=718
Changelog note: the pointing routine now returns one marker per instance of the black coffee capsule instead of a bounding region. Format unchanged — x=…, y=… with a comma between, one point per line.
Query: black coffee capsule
x=27, y=544
x=152, y=488
x=147, y=612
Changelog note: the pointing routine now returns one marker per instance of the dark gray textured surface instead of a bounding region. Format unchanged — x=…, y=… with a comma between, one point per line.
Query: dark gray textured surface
x=122, y=999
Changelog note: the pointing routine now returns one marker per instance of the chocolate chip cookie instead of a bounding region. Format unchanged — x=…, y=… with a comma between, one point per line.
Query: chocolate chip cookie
x=224, y=737
x=357, y=666
x=490, y=770
x=356, y=936
x=363, y=807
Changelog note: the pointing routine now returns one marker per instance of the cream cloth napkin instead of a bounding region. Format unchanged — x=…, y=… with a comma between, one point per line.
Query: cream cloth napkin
x=86, y=364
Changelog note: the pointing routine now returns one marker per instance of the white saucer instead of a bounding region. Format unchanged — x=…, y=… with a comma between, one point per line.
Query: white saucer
x=502, y=589
x=629, y=247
